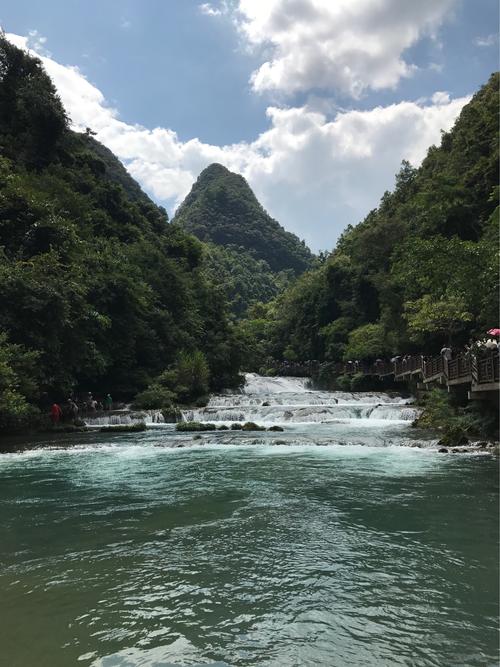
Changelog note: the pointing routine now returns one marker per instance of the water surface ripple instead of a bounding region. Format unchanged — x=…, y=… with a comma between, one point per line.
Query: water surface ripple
x=120, y=551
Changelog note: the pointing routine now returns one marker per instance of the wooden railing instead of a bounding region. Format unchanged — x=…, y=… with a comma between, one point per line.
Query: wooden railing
x=459, y=367
x=466, y=367
x=487, y=370
x=433, y=366
x=408, y=365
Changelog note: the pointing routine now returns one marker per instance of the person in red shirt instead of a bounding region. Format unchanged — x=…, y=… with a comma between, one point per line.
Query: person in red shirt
x=55, y=414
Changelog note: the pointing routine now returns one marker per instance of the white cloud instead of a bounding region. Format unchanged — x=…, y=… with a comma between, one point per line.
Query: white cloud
x=315, y=173
x=441, y=97
x=342, y=45
x=489, y=40
x=36, y=42
x=207, y=9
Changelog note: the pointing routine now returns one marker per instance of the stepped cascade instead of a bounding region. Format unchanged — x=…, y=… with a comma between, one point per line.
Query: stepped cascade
x=291, y=400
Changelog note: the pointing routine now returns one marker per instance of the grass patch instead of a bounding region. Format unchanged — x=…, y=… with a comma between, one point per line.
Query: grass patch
x=124, y=428
x=188, y=427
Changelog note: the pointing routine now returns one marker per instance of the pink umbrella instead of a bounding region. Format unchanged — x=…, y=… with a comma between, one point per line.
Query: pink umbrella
x=494, y=332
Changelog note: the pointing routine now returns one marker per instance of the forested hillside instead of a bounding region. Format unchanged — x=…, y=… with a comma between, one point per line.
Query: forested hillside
x=222, y=208
x=97, y=291
x=421, y=269
x=251, y=255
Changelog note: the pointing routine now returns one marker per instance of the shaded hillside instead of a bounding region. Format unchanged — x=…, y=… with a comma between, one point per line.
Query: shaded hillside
x=222, y=208
x=97, y=291
x=244, y=279
x=421, y=269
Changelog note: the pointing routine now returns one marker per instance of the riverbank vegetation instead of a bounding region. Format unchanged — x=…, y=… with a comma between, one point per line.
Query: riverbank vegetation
x=458, y=424
x=97, y=290
x=100, y=292
x=419, y=271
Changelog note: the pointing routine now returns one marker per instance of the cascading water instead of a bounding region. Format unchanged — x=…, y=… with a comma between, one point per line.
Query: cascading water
x=282, y=400
x=307, y=546
x=126, y=418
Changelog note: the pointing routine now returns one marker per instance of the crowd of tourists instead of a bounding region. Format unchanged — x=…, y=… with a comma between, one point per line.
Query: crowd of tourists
x=76, y=407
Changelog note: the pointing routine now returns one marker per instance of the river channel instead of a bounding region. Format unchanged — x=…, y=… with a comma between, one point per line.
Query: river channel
x=346, y=539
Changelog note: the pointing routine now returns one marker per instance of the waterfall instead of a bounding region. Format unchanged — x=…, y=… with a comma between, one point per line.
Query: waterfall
x=126, y=418
x=290, y=400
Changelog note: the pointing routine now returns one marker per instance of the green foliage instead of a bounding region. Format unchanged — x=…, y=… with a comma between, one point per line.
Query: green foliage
x=186, y=380
x=93, y=279
x=366, y=342
x=194, y=426
x=251, y=426
x=447, y=315
x=249, y=256
x=456, y=423
x=421, y=266
x=154, y=397
x=343, y=383
x=244, y=279
x=18, y=370
x=222, y=208
x=192, y=375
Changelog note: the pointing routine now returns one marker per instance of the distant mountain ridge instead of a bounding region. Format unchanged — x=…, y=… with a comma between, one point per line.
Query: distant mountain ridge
x=222, y=208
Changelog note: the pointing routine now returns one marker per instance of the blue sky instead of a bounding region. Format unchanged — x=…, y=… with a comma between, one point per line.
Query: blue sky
x=315, y=102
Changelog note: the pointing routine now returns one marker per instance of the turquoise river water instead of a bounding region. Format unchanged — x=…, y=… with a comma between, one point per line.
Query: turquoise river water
x=346, y=539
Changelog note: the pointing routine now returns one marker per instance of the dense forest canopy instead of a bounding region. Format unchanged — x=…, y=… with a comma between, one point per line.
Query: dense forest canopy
x=97, y=290
x=249, y=254
x=222, y=208
x=420, y=270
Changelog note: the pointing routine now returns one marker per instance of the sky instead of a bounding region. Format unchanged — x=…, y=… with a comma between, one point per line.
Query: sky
x=314, y=102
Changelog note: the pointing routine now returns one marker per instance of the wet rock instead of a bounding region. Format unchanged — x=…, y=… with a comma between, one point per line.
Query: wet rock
x=251, y=426
x=194, y=426
x=453, y=440
x=266, y=404
x=276, y=428
x=443, y=450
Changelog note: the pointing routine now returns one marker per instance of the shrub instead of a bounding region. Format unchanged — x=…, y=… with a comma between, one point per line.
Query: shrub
x=124, y=428
x=155, y=397
x=192, y=375
x=343, y=382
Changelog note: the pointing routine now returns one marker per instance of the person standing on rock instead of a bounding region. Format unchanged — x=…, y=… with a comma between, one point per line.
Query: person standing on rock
x=108, y=402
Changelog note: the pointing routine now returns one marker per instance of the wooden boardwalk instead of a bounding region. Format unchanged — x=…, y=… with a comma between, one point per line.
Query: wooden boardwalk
x=479, y=372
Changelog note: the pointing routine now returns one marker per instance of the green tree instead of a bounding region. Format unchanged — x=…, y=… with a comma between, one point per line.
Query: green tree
x=18, y=373
x=367, y=342
x=447, y=315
